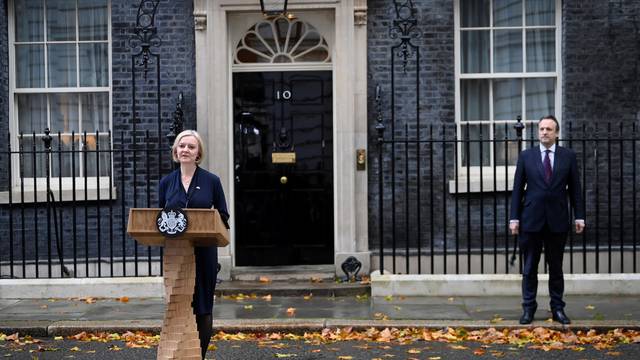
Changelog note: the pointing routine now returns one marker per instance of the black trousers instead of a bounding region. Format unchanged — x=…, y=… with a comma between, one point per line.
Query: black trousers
x=531, y=245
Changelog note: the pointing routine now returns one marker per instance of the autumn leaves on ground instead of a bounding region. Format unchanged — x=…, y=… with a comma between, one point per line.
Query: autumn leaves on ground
x=459, y=339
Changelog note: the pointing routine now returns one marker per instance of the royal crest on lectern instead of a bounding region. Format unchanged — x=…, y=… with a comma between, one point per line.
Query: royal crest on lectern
x=172, y=222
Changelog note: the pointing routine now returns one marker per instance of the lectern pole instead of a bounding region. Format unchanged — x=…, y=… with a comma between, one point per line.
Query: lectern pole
x=179, y=336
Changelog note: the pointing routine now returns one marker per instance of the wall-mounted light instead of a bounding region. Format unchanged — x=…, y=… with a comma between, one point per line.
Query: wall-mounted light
x=273, y=7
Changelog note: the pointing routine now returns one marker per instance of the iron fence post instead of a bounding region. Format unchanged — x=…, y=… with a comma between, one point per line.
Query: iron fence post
x=380, y=129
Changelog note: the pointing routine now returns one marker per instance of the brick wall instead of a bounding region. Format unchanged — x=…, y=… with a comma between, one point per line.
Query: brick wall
x=600, y=41
x=98, y=227
x=4, y=91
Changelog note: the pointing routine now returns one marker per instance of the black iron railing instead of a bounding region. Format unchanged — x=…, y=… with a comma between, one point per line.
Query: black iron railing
x=67, y=206
x=439, y=211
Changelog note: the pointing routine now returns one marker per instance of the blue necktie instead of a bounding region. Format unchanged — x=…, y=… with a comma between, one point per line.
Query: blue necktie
x=548, y=172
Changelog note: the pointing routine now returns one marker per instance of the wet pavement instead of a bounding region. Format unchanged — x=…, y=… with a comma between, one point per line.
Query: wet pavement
x=311, y=312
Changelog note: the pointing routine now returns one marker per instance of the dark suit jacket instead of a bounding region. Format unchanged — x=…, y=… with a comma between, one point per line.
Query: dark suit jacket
x=539, y=203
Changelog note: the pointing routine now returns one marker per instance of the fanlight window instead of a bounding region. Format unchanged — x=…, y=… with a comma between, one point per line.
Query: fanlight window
x=282, y=40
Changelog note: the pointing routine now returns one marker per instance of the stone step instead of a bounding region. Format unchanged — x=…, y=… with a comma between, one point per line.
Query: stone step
x=284, y=273
x=293, y=288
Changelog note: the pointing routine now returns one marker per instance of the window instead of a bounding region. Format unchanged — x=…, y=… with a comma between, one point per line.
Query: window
x=282, y=40
x=60, y=79
x=507, y=65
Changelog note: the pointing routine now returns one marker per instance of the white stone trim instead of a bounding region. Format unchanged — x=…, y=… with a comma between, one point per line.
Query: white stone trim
x=214, y=103
x=499, y=285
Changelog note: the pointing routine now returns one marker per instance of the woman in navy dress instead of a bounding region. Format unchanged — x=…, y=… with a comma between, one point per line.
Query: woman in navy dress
x=193, y=187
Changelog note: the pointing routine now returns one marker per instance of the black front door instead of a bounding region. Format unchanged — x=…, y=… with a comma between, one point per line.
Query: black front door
x=283, y=159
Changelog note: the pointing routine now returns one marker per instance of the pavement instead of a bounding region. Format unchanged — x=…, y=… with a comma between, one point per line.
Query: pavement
x=300, y=307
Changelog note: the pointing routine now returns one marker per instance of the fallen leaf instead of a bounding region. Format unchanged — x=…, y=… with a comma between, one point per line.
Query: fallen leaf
x=89, y=300
x=458, y=347
x=414, y=351
x=380, y=316
x=308, y=297
x=496, y=319
x=278, y=355
x=267, y=297
x=388, y=298
x=345, y=357
x=478, y=352
x=614, y=353
x=589, y=307
x=123, y=299
x=248, y=307
x=264, y=279
x=450, y=299
x=291, y=311
x=58, y=338
x=114, y=348
x=434, y=358
x=75, y=348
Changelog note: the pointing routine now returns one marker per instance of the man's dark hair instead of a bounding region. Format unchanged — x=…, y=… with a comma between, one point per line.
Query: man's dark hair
x=551, y=117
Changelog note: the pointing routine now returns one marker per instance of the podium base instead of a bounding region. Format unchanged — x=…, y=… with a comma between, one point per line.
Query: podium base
x=179, y=335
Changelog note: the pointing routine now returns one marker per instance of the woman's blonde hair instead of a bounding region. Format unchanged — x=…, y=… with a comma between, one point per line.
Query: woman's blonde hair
x=198, y=139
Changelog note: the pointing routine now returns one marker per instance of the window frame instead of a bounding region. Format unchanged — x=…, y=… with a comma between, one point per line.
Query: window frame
x=488, y=171
x=34, y=190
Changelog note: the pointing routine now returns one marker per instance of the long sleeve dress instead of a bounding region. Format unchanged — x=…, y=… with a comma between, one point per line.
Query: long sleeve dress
x=205, y=191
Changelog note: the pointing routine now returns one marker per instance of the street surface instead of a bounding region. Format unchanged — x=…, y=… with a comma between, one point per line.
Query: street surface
x=299, y=350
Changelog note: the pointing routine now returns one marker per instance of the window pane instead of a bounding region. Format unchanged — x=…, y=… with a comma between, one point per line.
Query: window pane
x=29, y=66
x=507, y=51
x=92, y=20
x=32, y=159
x=95, y=112
x=507, y=99
x=474, y=13
x=541, y=12
x=94, y=64
x=507, y=13
x=541, y=50
x=62, y=160
x=64, y=112
x=32, y=113
x=61, y=20
x=475, y=51
x=506, y=144
x=29, y=20
x=475, y=100
x=62, y=65
x=471, y=139
x=93, y=154
x=540, y=95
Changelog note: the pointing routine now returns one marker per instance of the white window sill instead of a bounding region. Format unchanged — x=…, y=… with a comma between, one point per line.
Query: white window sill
x=474, y=184
x=40, y=196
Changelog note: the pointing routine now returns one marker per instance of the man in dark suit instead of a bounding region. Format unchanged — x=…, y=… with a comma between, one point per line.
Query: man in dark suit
x=546, y=179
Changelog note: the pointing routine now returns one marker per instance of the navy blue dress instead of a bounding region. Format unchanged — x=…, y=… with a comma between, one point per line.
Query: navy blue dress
x=205, y=191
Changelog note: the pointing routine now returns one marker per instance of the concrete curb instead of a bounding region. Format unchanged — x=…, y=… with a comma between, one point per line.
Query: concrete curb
x=146, y=287
x=132, y=287
x=499, y=285
x=297, y=326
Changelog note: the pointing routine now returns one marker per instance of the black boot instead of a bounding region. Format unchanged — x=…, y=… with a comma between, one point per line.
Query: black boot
x=205, y=330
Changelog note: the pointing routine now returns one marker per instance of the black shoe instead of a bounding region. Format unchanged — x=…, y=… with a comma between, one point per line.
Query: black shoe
x=527, y=317
x=561, y=317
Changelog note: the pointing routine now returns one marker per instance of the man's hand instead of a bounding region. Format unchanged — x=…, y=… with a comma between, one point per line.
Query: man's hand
x=514, y=226
x=579, y=227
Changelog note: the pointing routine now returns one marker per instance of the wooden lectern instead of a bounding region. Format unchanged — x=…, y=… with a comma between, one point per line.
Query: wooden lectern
x=179, y=336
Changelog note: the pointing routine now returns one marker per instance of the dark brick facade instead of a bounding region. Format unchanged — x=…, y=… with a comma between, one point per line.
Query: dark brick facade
x=600, y=57
x=601, y=63
x=4, y=90
x=99, y=225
